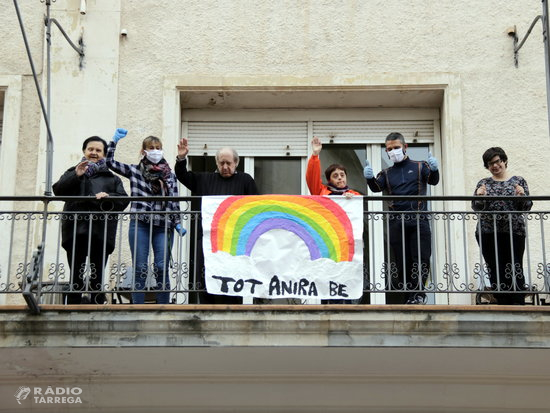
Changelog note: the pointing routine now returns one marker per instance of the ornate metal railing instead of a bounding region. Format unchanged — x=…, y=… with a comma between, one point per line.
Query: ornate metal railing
x=34, y=264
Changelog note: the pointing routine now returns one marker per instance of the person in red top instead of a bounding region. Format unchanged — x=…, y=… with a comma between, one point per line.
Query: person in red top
x=335, y=174
x=337, y=184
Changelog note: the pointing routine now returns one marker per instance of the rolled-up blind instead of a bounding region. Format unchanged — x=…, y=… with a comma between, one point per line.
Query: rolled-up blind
x=248, y=138
x=373, y=131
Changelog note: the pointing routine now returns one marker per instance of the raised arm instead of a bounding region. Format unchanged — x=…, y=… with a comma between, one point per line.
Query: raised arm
x=118, y=167
x=186, y=177
x=313, y=171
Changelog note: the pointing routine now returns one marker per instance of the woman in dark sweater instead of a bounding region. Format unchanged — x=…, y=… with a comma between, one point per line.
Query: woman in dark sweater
x=502, y=236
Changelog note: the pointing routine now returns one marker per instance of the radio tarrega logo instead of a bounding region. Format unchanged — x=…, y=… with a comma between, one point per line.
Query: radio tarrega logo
x=55, y=395
x=22, y=393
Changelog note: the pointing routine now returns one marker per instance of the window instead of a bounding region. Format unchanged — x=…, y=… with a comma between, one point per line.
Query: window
x=278, y=175
x=274, y=146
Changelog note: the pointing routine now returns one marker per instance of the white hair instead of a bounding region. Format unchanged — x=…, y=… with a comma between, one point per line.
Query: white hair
x=228, y=149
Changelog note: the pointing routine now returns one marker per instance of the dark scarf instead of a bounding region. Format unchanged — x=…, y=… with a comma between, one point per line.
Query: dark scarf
x=95, y=167
x=337, y=191
x=156, y=174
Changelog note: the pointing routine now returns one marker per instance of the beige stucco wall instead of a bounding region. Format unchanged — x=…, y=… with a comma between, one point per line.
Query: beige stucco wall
x=14, y=62
x=501, y=105
x=123, y=81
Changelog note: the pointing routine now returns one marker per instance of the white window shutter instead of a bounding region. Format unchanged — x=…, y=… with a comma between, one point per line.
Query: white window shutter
x=248, y=138
x=373, y=131
x=290, y=138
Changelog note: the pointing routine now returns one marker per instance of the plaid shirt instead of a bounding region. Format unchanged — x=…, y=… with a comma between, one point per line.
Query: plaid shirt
x=140, y=187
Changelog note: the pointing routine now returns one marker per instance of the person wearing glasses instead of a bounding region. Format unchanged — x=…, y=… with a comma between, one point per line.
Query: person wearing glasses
x=501, y=236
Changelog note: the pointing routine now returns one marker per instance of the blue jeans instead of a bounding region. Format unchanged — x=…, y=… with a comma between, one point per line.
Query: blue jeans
x=141, y=235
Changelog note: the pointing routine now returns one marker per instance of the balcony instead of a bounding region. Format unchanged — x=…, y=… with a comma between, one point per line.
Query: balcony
x=458, y=352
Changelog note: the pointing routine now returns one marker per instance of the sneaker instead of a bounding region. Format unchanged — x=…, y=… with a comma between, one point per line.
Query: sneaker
x=416, y=299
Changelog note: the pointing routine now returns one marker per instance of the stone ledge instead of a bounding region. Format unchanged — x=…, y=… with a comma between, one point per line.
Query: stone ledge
x=265, y=326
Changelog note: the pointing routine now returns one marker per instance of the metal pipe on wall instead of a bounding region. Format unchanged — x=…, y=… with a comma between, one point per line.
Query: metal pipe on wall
x=546, y=38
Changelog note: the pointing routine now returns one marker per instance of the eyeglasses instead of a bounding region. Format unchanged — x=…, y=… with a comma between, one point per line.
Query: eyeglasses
x=495, y=162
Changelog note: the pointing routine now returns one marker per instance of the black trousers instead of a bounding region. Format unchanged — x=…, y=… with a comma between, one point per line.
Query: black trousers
x=504, y=258
x=411, y=243
x=77, y=264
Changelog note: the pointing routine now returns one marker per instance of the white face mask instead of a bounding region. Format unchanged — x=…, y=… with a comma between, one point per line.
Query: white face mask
x=154, y=156
x=396, y=155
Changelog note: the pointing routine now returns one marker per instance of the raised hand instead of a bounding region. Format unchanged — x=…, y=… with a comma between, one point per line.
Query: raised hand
x=81, y=168
x=183, y=148
x=368, y=172
x=432, y=161
x=119, y=134
x=316, y=145
x=482, y=190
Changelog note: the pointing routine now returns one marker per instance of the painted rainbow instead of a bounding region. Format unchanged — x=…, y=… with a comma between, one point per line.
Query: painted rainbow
x=324, y=226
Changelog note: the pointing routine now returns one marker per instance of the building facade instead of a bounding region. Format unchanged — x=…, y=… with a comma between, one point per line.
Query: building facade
x=265, y=77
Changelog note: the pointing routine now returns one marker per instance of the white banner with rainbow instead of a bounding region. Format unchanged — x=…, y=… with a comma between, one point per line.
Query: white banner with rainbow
x=283, y=246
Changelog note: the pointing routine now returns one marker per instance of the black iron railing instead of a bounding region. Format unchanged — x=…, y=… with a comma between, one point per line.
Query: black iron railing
x=454, y=263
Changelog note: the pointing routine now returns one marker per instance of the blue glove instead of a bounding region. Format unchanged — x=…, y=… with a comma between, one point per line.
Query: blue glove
x=119, y=134
x=182, y=231
x=368, y=172
x=434, y=164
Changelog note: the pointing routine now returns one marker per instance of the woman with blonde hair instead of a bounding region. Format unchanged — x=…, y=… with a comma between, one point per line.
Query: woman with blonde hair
x=152, y=176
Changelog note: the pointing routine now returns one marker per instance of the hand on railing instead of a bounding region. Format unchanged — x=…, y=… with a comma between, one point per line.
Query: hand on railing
x=182, y=231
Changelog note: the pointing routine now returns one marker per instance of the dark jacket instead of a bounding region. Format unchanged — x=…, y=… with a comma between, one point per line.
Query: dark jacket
x=407, y=177
x=212, y=183
x=72, y=185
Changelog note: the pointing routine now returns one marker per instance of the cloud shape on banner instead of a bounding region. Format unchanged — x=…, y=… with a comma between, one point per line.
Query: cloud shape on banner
x=321, y=223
